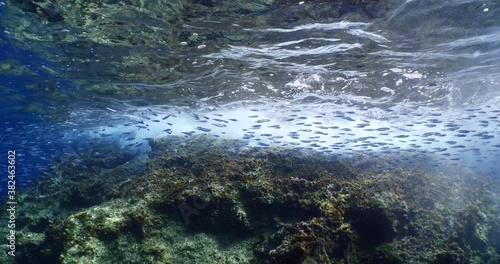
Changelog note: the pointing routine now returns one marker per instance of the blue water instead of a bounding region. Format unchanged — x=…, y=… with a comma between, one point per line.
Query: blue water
x=421, y=82
x=34, y=140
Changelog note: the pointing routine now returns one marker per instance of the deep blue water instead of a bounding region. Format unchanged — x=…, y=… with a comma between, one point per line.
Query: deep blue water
x=35, y=139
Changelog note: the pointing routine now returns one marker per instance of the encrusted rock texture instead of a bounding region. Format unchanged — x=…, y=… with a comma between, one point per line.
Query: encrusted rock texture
x=198, y=200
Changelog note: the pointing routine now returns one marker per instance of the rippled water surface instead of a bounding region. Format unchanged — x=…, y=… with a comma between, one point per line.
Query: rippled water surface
x=419, y=80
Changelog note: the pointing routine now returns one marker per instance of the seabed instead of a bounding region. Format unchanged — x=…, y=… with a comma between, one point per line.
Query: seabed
x=200, y=200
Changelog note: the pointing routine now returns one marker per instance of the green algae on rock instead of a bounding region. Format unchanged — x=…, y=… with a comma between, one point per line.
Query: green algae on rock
x=199, y=200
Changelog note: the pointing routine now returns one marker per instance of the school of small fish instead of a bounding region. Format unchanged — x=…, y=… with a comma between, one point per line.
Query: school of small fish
x=470, y=137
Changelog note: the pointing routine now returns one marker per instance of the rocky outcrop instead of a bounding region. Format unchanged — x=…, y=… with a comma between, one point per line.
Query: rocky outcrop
x=200, y=201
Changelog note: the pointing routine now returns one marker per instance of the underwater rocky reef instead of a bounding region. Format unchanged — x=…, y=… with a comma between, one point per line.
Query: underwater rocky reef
x=200, y=200
x=259, y=131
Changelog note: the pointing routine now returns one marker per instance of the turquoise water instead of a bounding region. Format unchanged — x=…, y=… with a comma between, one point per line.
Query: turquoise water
x=419, y=81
